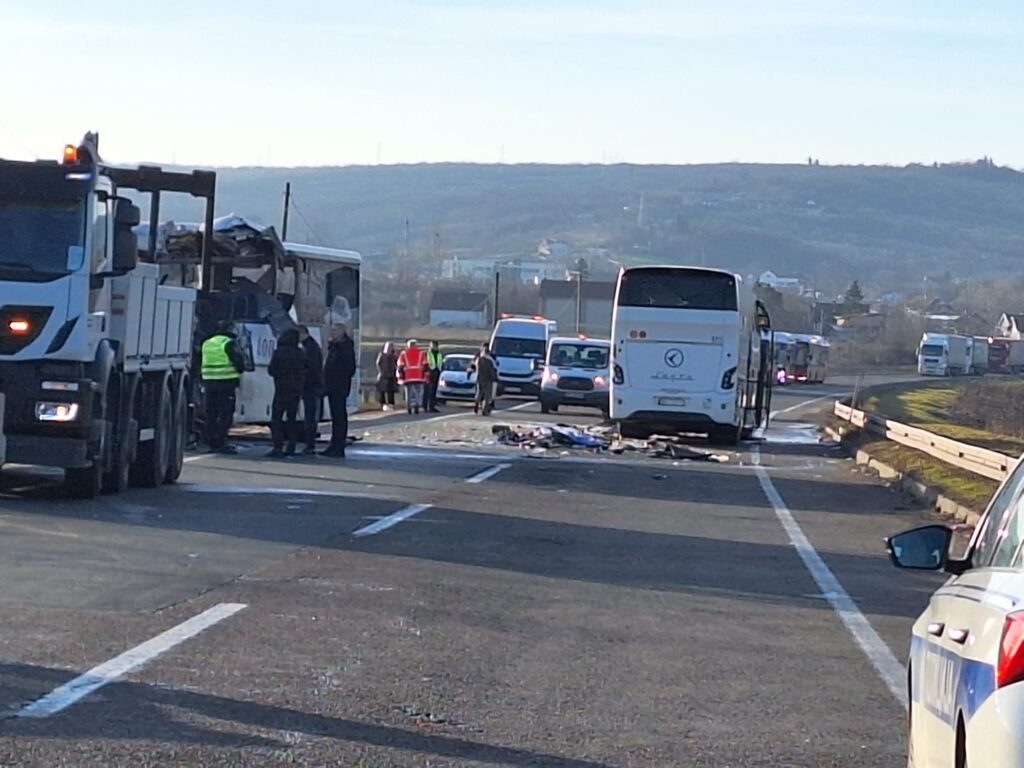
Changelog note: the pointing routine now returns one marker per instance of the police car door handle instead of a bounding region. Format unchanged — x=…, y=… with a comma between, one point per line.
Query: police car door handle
x=959, y=636
x=936, y=628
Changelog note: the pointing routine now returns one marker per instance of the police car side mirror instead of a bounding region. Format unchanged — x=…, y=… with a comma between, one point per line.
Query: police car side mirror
x=921, y=549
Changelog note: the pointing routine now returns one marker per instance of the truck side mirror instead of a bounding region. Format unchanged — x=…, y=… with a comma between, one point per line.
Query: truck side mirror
x=126, y=244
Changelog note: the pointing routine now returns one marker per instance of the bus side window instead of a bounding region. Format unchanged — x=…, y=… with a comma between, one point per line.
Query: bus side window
x=343, y=282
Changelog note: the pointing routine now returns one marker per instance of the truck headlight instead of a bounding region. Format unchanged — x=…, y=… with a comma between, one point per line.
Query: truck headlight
x=60, y=412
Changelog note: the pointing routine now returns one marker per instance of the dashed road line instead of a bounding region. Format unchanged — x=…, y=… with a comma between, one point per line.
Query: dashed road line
x=892, y=672
x=394, y=519
x=487, y=474
x=71, y=692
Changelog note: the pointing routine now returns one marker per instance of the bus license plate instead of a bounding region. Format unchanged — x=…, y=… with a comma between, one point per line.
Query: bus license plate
x=676, y=401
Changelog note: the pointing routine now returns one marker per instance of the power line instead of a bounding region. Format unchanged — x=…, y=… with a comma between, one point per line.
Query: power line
x=305, y=221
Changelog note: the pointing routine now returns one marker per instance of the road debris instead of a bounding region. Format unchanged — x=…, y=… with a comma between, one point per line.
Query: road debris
x=539, y=440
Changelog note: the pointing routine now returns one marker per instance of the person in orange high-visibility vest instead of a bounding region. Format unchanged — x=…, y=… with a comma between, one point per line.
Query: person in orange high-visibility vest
x=412, y=371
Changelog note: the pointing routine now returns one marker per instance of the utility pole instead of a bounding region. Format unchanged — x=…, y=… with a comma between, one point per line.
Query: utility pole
x=579, y=299
x=497, y=294
x=287, y=205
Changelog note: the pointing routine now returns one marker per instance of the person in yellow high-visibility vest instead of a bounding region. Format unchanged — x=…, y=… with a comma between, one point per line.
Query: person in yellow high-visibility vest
x=434, y=360
x=222, y=366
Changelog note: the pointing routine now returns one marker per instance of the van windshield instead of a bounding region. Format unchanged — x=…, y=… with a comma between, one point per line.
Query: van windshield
x=580, y=355
x=505, y=346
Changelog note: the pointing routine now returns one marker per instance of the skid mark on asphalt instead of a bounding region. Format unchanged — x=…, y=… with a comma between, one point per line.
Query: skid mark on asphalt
x=891, y=671
x=71, y=692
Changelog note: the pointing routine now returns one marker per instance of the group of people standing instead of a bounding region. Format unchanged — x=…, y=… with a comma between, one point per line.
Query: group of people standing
x=302, y=374
x=419, y=374
x=416, y=371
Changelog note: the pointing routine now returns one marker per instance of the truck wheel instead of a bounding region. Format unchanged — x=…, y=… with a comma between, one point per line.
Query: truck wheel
x=179, y=435
x=118, y=478
x=84, y=482
x=150, y=468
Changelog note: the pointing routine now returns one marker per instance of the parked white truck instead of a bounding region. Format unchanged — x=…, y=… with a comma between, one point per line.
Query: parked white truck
x=94, y=349
x=979, y=355
x=941, y=354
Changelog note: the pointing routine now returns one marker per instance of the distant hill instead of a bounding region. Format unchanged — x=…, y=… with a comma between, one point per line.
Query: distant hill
x=888, y=227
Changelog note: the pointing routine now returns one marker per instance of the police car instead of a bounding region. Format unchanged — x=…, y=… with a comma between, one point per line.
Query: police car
x=456, y=381
x=966, y=671
x=576, y=373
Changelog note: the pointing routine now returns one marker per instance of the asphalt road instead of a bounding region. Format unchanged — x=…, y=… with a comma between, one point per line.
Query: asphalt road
x=468, y=606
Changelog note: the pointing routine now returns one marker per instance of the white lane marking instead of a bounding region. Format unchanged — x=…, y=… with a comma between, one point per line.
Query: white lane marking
x=487, y=474
x=892, y=672
x=200, y=457
x=386, y=522
x=71, y=692
x=256, y=490
x=804, y=403
x=521, y=406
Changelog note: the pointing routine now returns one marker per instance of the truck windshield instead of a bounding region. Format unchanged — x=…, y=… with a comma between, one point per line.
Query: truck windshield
x=505, y=346
x=932, y=350
x=35, y=235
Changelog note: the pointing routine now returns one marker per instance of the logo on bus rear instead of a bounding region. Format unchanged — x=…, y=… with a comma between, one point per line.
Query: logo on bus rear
x=674, y=358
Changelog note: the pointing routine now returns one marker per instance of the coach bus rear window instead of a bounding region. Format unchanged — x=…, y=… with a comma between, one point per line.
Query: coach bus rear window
x=677, y=289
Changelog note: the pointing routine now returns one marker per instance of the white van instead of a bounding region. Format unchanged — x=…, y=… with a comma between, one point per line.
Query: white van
x=519, y=345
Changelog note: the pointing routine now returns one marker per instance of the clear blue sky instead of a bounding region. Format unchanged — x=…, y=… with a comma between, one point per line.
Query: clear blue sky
x=311, y=82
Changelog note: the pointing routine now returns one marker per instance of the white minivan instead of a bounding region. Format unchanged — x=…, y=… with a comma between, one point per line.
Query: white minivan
x=519, y=345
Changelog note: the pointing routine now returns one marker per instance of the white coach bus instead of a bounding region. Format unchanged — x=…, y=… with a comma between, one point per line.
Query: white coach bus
x=692, y=353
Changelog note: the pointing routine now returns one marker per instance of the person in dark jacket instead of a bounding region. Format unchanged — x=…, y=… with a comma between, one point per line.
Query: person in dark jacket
x=486, y=369
x=313, y=388
x=288, y=369
x=387, y=376
x=339, y=369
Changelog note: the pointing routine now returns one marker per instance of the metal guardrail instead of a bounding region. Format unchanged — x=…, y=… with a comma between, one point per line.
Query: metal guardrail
x=981, y=461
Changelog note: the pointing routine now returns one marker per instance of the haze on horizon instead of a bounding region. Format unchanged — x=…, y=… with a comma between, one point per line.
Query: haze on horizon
x=316, y=82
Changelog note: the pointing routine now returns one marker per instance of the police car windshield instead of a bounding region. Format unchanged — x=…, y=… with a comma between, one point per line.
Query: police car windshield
x=578, y=355
x=456, y=363
x=505, y=346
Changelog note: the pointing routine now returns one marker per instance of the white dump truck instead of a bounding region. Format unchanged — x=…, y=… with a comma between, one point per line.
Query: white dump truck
x=95, y=349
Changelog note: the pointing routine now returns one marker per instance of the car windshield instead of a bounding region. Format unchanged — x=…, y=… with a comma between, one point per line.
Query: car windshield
x=580, y=355
x=35, y=234
x=505, y=346
x=456, y=363
x=932, y=350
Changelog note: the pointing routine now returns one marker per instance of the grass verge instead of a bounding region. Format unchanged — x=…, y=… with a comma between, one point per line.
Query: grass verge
x=930, y=406
x=967, y=488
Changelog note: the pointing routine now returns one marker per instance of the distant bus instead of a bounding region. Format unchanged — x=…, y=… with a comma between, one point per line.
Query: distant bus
x=802, y=356
x=692, y=352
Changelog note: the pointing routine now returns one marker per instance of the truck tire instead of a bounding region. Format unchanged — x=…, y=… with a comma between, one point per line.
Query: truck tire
x=84, y=482
x=179, y=434
x=150, y=468
x=118, y=478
